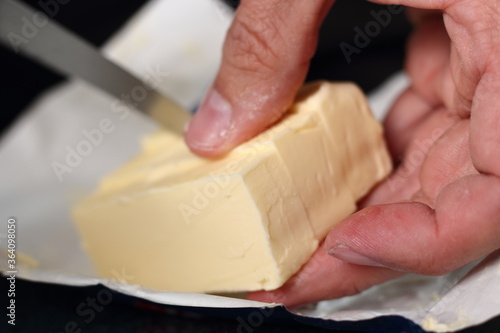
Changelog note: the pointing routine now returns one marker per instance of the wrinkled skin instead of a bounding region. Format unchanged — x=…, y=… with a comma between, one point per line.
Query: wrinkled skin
x=441, y=207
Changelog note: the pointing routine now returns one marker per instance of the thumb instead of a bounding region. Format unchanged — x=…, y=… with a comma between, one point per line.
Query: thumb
x=413, y=237
x=265, y=60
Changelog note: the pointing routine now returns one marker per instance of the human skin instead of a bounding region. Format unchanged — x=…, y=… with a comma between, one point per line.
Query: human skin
x=440, y=209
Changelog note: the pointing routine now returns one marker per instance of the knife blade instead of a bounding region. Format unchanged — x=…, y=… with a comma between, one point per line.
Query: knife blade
x=32, y=33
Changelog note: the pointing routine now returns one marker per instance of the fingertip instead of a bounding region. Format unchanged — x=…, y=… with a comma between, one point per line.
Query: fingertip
x=289, y=297
x=273, y=296
x=208, y=132
x=219, y=125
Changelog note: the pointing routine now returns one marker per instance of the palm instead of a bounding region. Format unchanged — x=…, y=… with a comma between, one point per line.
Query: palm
x=428, y=128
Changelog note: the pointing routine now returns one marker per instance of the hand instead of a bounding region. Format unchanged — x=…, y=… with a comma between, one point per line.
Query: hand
x=441, y=208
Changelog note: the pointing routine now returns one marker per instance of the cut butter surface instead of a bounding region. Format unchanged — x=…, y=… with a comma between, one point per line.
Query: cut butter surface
x=247, y=221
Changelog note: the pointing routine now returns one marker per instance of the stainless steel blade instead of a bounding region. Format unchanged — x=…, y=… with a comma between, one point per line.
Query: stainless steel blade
x=32, y=33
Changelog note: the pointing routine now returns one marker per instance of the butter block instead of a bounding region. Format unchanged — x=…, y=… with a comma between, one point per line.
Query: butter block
x=247, y=221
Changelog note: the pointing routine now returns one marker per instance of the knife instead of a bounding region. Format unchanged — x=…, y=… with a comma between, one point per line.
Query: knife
x=32, y=33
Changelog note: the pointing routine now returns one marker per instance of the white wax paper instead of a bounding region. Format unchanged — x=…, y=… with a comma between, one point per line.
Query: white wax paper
x=180, y=42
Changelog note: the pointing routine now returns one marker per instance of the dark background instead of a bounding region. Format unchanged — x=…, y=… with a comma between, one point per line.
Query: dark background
x=96, y=20
x=48, y=308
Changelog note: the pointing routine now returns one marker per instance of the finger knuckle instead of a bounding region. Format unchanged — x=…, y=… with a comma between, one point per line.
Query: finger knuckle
x=252, y=46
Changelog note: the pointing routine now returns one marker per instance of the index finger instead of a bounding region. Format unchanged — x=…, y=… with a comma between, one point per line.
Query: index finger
x=265, y=60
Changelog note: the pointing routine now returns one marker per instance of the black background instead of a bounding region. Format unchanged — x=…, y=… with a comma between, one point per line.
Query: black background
x=22, y=80
x=46, y=308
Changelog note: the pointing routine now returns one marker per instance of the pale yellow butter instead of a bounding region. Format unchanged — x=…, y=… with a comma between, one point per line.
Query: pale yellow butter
x=248, y=221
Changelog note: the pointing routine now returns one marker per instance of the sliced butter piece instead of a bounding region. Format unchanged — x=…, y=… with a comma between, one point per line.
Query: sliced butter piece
x=248, y=221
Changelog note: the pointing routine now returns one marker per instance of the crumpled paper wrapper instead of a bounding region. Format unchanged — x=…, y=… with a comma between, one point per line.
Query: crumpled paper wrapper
x=178, y=44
